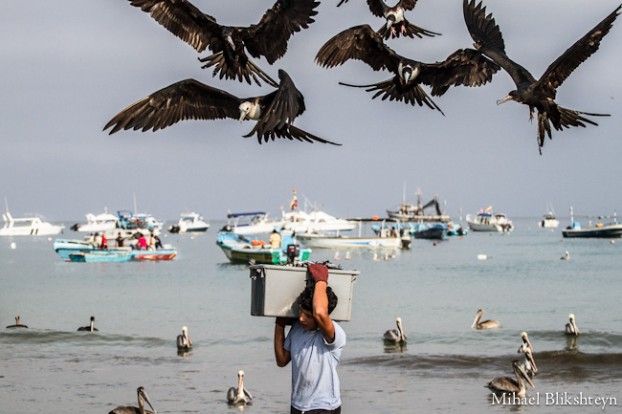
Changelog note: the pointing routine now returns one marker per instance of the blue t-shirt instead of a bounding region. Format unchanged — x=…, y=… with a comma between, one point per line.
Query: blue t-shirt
x=315, y=384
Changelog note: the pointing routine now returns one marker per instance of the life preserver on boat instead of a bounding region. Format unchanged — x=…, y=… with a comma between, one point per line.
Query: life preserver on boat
x=258, y=242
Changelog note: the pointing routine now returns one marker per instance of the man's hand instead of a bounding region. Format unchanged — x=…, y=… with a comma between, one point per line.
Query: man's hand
x=319, y=272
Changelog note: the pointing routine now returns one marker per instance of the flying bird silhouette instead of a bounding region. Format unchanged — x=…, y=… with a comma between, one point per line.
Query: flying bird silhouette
x=396, y=22
x=538, y=94
x=229, y=44
x=463, y=67
x=191, y=99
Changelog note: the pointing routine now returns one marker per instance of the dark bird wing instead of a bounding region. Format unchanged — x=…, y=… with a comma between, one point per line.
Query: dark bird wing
x=185, y=21
x=269, y=37
x=489, y=41
x=361, y=43
x=184, y=100
x=284, y=105
x=282, y=108
x=394, y=90
x=563, y=66
x=464, y=67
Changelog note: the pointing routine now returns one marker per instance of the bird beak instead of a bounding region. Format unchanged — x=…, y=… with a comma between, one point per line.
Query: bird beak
x=242, y=115
x=525, y=376
x=146, y=397
x=504, y=100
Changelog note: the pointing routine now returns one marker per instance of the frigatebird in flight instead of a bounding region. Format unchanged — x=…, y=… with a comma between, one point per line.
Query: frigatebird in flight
x=190, y=99
x=465, y=67
x=537, y=94
x=396, y=22
x=229, y=44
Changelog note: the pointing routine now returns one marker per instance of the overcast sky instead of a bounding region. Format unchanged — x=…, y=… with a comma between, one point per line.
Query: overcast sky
x=68, y=66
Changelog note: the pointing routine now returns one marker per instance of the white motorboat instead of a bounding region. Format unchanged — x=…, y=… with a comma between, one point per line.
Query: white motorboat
x=28, y=226
x=489, y=221
x=255, y=222
x=315, y=221
x=96, y=223
x=190, y=222
x=549, y=221
x=335, y=241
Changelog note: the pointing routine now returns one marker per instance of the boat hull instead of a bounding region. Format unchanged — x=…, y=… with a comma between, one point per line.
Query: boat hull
x=611, y=231
x=83, y=251
x=342, y=241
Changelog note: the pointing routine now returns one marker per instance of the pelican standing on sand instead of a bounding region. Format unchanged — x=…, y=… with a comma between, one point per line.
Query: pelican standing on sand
x=184, y=344
x=511, y=385
x=487, y=324
x=18, y=324
x=396, y=336
x=571, y=327
x=91, y=327
x=239, y=395
x=128, y=409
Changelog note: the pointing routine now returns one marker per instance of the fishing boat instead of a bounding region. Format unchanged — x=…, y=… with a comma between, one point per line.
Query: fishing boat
x=486, y=220
x=240, y=249
x=416, y=212
x=612, y=230
x=190, y=222
x=386, y=235
x=28, y=226
x=86, y=251
x=429, y=231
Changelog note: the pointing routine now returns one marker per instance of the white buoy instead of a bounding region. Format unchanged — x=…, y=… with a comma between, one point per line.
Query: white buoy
x=13, y=245
x=482, y=257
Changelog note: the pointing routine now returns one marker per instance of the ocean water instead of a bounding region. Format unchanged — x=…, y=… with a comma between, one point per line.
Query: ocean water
x=435, y=288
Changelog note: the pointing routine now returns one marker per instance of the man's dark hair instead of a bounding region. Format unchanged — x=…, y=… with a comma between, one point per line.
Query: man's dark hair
x=305, y=299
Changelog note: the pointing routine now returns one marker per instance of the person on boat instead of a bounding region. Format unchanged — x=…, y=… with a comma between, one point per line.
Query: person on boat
x=104, y=242
x=275, y=240
x=97, y=241
x=142, y=242
x=393, y=231
x=119, y=240
x=152, y=242
x=158, y=242
x=313, y=345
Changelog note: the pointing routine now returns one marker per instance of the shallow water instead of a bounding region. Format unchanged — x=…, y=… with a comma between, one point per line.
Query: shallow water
x=435, y=288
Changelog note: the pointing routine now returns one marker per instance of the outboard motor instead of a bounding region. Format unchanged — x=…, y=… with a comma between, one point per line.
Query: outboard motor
x=292, y=253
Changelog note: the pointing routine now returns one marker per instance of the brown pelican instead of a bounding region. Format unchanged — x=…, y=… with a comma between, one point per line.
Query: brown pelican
x=525, y=338
x=184, y=344
x=571, y=327
x=466, y=67
x=91, y=327
x=396, y=336
x=142, y=398
x=229, y=44
x=537, y=94
x=18, y=323
x=511, y=385
x=191, y=99
x=487, y=324
x=396, y=22
x=239, y=395
x=530, y=363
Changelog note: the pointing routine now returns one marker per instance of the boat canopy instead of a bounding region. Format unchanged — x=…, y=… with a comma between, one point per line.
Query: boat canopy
x=253, y=213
